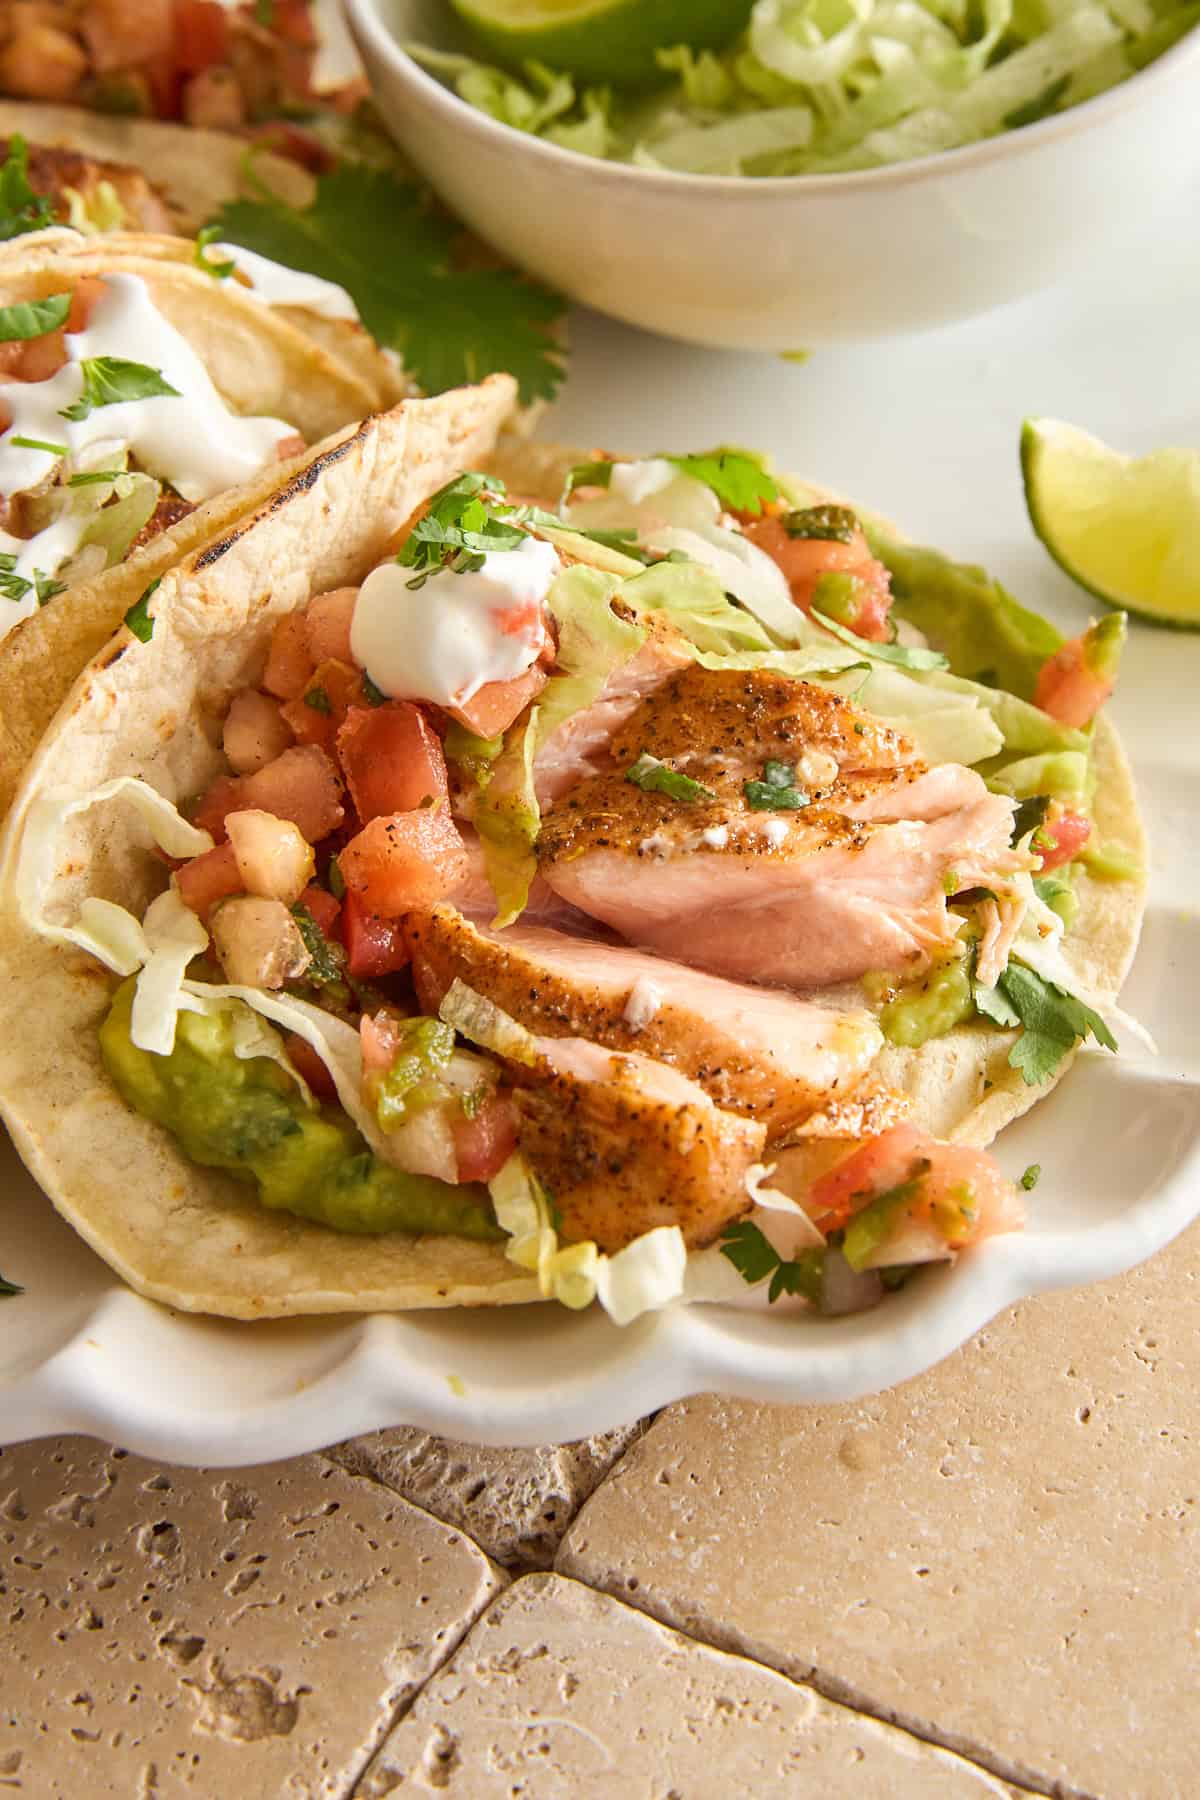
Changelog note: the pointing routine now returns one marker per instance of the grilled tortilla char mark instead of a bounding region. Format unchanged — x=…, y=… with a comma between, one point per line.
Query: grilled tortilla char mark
x=52, y=170
x=756, y=1051
x=853, y=880
x=626, y=1144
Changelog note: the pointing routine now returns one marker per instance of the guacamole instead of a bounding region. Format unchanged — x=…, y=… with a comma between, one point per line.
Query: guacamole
x=247, y=1116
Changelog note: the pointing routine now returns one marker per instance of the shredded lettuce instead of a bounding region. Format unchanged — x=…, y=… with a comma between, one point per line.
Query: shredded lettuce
x=821, y=86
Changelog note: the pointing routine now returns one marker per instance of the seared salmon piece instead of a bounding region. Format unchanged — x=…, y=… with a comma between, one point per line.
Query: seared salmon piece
x=853, y=877
x=52, y=170
x=626, y=1144
x=580, y=746
x=757, y=1051
x=831, y=1135
x=170, y=509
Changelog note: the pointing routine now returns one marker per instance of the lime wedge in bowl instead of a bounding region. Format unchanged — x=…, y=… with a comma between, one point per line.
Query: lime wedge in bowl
x=1125, y=528
x=601, y=40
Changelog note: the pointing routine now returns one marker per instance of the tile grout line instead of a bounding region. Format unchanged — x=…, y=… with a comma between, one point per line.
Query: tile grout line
x=405, y=1706
x=831, y=1687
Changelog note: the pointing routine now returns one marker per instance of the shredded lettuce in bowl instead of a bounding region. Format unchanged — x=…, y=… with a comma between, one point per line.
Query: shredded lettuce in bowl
x=817, y=87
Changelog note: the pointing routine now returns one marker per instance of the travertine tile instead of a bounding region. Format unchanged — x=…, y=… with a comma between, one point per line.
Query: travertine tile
x=217, y=1634
x=1003, y=1552
x=560, y=1693
x=515, y=1503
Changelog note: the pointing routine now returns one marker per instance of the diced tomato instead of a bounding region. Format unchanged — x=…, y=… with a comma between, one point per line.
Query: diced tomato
x=33, y=359
x=201, y=34
x=301, y=785
x=121, y=36
x=1061, y=838
x=335, y=687
x=327, y=622
x=493, y=709
x=392, y=759
x=805, y=560
x=292, y=20
x=289, y=666
x=374, y=946
x=309, y=1065
x=208, y=878
x=1068, y=689
x=87, y=292
x=381, y=1039
x=404, y=860
x=323, y=908
x=960, y=1193
x=484, y=1144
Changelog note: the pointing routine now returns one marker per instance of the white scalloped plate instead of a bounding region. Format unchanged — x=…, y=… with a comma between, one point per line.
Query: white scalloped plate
x=1119, y=1141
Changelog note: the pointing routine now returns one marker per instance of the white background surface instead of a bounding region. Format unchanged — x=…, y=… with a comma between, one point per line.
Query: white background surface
x=926, y=431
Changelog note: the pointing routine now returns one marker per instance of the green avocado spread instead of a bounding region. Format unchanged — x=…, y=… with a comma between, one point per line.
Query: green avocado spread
x=247, y=1116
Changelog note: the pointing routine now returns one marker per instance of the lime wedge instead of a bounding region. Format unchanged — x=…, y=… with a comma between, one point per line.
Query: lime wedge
x=1125, y=528
x=601, y=40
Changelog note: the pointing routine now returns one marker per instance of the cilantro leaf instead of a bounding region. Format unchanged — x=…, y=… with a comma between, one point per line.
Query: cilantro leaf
x=382, y=240
x=9, y=1288
x=1028, y=815
x=325, y=966
x=755, y=1257
x=27, y=443
x=138, y=617
x=777, y=791
x=831, y=524
x=905, y=656
x=1031, y=1177
x=459, y=527
x=47, y=587
x=656, y=777
x=21, y=210
x=738, y=479
x=993, y=1005
x=588, y=474
x=33, y=318
x=12, y=586
x=318, y=700
x=1052, y=1022
x=373, y=694
x=110, y=380
x=220, y=271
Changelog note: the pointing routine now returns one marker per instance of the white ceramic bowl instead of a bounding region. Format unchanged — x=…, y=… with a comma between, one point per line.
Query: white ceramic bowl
x=787, y=263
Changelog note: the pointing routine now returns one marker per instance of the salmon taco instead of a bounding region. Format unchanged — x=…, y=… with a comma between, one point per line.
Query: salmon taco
x=143, y=404
x=492, y=873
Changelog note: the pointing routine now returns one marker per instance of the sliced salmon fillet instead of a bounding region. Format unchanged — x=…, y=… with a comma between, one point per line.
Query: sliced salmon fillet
x=856, y=879
x=580, y=746
x=626, y=1144
x=757, y=1051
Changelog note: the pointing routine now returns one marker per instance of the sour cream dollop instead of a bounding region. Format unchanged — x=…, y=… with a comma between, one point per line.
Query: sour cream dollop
x=274, y=284
x=444, y=641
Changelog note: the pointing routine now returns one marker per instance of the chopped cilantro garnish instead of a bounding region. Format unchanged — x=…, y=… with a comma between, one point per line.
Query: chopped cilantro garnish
x=220, y=271
x=738, y=479
x=264, y=12
x=425, y=1048
x=1052, y=1021
x=777, y=791
x=459, y=528
x=33, y=318
x=12, y=585
x=24, y=443
x=318, y=699
x=138, y=617
x=325, y=965
x=110, y=380
x=92, y=477
x=21, y=210
x=374, y=696
x=1028, y=815
x=383, y=241
x=905, y=656
x=1031, y=1177
x=755, y=1257
x=337, y=881
x=831, y=524
x=47, y=587
x=658, y=777
x=9, y=1288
